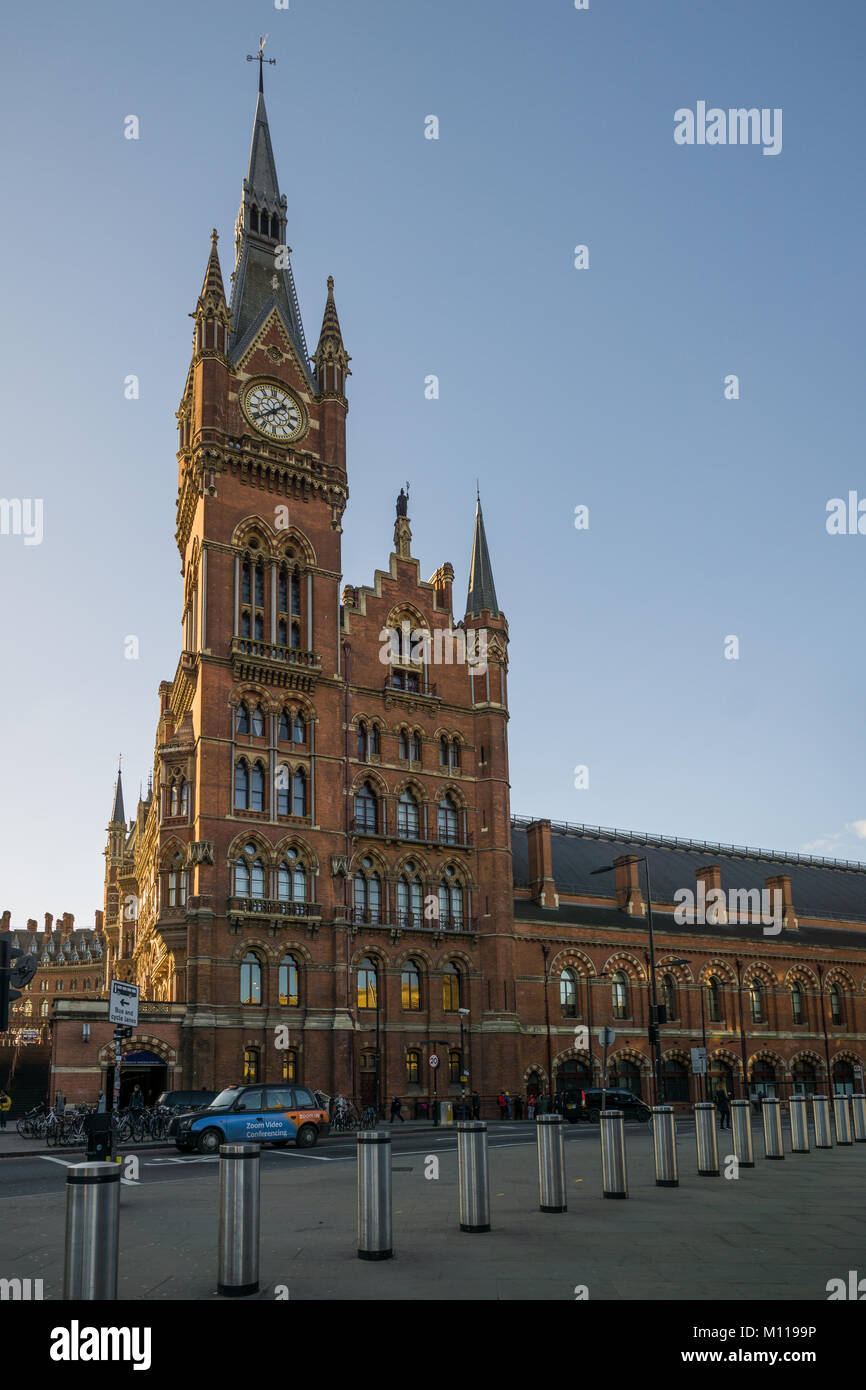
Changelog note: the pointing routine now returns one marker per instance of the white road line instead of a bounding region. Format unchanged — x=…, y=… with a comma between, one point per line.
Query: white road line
x=298, y=1153
x=46, y=1158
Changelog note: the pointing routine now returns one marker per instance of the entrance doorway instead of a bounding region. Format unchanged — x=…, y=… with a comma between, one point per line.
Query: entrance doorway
x=142, y=1069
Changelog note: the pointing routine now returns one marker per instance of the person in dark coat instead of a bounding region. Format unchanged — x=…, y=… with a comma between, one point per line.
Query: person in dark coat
x=724, y=1108
x=476, y=1106
x=396, y=1108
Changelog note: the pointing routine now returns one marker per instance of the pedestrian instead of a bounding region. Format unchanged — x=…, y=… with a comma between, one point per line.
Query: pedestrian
x=476, y=1106
x=100, y=1103
x=136, y=1100
x=5, y=1106
x=396, y=1108
x=500, y=1101
x=723, y=1107
x=518, y=1107
x=530, y=1106
x=59, y=1103
x=508, y=1103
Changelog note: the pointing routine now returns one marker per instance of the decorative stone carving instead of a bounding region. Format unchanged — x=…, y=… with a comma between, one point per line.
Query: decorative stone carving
x=200, y=852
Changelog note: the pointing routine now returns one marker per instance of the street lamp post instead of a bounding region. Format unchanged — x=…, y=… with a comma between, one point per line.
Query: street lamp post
x=654, y=1039
x=545, y=950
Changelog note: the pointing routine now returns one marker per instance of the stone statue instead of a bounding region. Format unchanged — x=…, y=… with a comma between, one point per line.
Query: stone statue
x=403, y=502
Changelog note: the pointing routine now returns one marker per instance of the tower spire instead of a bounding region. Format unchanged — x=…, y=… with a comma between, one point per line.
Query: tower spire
x=117, y=816
x=331, y=359
x=482, y=591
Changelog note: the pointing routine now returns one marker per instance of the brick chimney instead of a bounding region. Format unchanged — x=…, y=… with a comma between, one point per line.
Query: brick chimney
x=627, y=889
x=541, y=881
x=782, y=883
x=709, y=880
x=6, y=921
x=99, y=918
x=49, y=920
x=32, y=924
x=442, y=581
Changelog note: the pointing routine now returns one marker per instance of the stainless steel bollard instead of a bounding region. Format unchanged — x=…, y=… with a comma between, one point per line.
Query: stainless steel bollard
x=771, y=1115
x=858, y=1105
x=92, y=1229
x=665, y=1146
x=239, y=1220
x=473, y=1179
x=842, y=1116
x=550, y=1135
x=614, y=1179
x=705, y=1133
x=375, y=1240
x=799, y=1125
x=741, y=1123
x=821, y=1118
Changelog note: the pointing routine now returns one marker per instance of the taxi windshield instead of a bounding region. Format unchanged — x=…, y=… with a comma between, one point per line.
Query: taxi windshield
x=225, y=1099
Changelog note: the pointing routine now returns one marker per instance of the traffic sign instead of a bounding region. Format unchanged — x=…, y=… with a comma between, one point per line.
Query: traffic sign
x=123, y=1003
x=699, y=1061
x=433, y=1060
x=607, y=1037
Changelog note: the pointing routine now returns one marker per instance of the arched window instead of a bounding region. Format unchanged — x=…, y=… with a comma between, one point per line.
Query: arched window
x=296, y=595
x=675, y=1081
x=251, y=979
x=796, y=1001
x=257, y=788
x=374, y=740
x=299, y=730
x=763, y=1078
x=290, y=1065
x=843, y=1077
x=254, y=219
x=291, y=881
x=451, y=901
x=242, y=786
x=669, y=996
x=362, y=741
x=408, y=819
x=367, y=984
x=251, y=1064
x=413, y=1068
x=410, y=986
x=283, y=783
x=249, y=874
x=455, y=1066
x=246, y=582
x=410, y=903
x=257, y=723
x=447, y=820
x=625, y=1076
x=415, y=748
x=176, y=881
x=404, y=744
x=288, y=982
x=451, y=988
x=174, y=803
x=805, y=1078
x=184, y=797
x=367, y=891
x=366, y=809
x=568, y=994
x=835, y=1004
x=242, y=719
x=756, y=1001
x=299, y=793
x=43, y=1008
x=619, y=994
x=443, y=751
x=713, y=1000
x=284, y=731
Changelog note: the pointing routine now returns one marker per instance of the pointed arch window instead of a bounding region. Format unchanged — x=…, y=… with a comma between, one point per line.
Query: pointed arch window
x=669, y=996
x=619, y=995
x=299, y=730
x=242, y=786
x=242, y=719
x=451, y=988
x=447, y=820
x=362, y=746
x=410, y=899
x=284, y=730
x=796, y=1001
x=289, y=995
x=404, y=745
x=451, y=902
x=257, y=723
x=713, y=1000
x=246, y=582
x=366, y=809
x=410, y=986
x=368, y=984
x=251, y=979
x=184, y=797
x=291, y=882
x=367, y=893
x=835, y=1004
x=283, y=785
x=568, y=994
x=257, y=787
x=299, y=793
x=408, y=819
x=756, y=1001
x=176, y=882
x=249, y=873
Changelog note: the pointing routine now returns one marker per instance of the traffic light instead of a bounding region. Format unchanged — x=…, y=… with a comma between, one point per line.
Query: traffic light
x=13, y=978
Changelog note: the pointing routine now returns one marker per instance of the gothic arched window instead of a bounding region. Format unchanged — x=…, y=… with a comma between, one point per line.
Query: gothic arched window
x=408, y=816
x=366, y=809
x=410, y=899
x=568, y=994
x=242, y=719
x=242, y=786
x=447, y=820
x=756, y=1000
x=410, y=986
x=619, y=994
x=451, y=981
x=251, y=979
x=257, y=788
x=367, y=984
x=288, y=982
x=299, y=793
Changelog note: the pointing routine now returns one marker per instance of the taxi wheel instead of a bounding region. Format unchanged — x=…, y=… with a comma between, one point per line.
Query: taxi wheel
x=307, y=1137
x=209, y=1141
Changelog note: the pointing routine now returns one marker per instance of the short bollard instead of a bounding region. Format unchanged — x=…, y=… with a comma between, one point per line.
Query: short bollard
x=842, y=1116
x=705, y=1133
x=772, y=1117
x=858, y=1105
x=821, y=1120
x=550, y=1136
x=92, y=1228
x=374, y=1196
x=239, y=1220
x=742, y=1133
x=799, y=1125
x=473, y=1181
x=614, y=1179
x=665, y=1146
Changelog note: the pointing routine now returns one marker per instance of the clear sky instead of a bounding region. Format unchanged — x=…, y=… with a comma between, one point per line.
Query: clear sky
x=559, y=387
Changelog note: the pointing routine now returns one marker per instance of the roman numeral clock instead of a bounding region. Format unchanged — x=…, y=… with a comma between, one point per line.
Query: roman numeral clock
x=274, y=411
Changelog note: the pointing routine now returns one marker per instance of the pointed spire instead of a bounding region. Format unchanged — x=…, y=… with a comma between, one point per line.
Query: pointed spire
x=331, y=359
x=263, y=279
x=482, y=591
x=117, y=817
x=213, y=276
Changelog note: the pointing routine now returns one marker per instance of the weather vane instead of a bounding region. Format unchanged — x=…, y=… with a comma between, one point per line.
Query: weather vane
x=251, y=58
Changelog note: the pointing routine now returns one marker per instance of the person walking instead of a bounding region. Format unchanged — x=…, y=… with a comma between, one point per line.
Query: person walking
x=136, y=1100
x=518, y=1107
x=100, y=1103
x=500, y=1101
x=530, y=1106
x=724, y=1108
x=5, y=1106
x=59, y=1103
x=396, y=1109
x=508, y=1104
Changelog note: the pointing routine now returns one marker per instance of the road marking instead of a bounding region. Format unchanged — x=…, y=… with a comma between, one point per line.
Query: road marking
x=46, y=1158
x=297, y=1153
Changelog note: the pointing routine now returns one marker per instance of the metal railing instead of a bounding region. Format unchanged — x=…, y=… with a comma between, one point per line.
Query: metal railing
x=274, y=907
x=273, y=651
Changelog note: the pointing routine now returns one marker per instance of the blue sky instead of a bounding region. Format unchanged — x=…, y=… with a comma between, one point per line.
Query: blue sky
x=558, y=387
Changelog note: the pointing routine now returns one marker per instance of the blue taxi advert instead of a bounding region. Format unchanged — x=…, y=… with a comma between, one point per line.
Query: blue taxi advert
x=278, y=1115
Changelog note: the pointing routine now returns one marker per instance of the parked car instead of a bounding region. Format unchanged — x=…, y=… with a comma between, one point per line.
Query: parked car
x=586, y=1105
x=186, y=1100
x=277, y=1114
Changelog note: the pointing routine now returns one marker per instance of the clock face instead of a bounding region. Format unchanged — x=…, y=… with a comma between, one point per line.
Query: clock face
x=273, y=411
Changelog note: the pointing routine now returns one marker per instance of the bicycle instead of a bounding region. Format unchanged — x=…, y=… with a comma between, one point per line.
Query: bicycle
x=370, y=1118
x=26, y=1123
